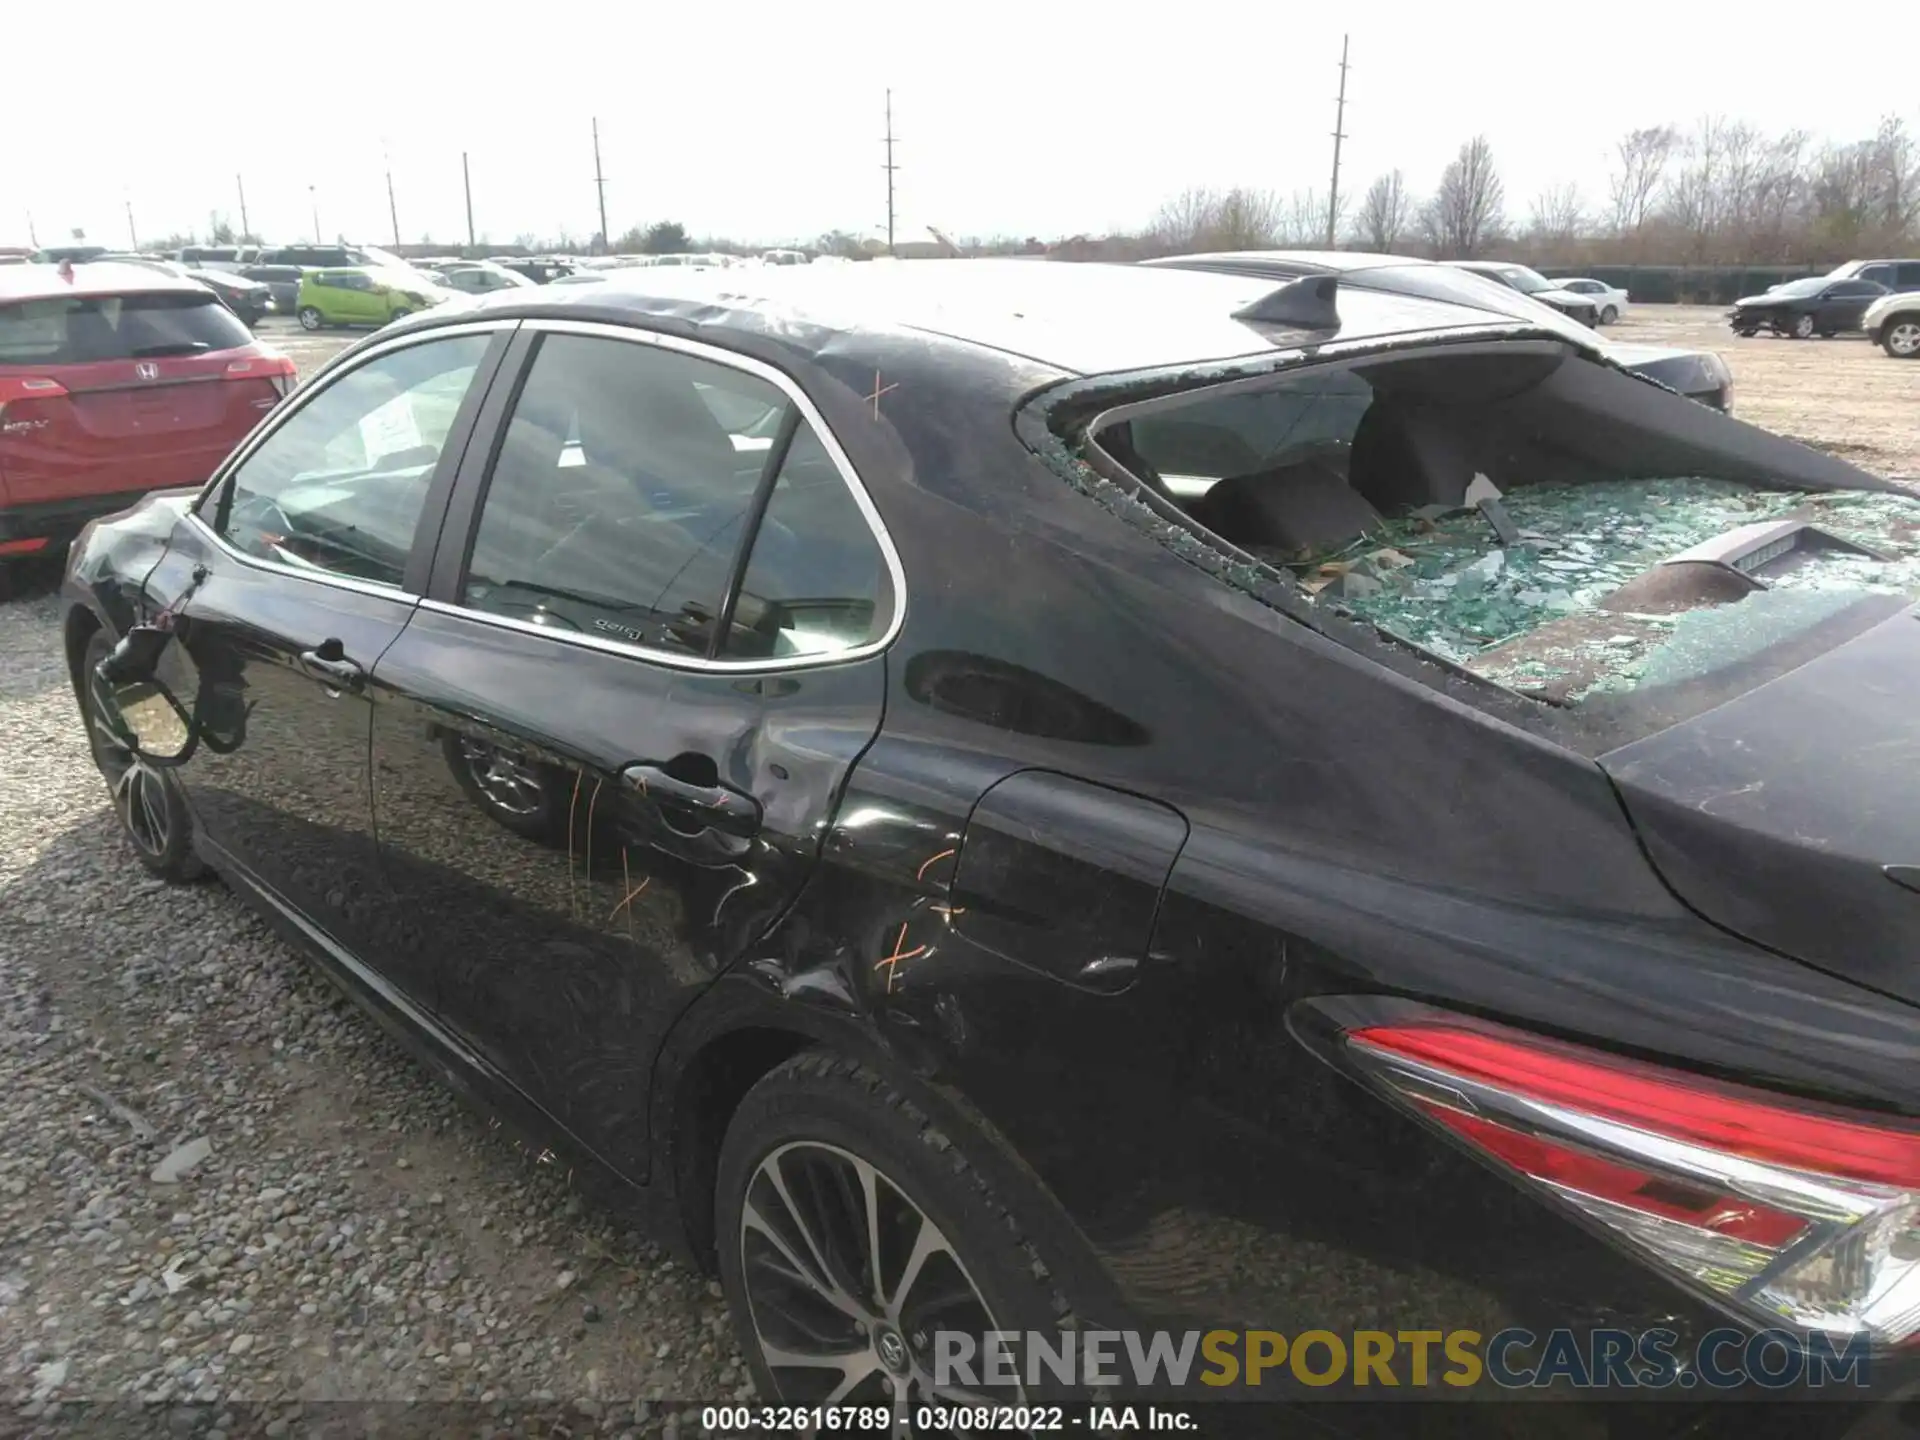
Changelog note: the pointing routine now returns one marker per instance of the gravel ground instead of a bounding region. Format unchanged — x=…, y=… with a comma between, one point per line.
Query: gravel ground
x=354, y=1232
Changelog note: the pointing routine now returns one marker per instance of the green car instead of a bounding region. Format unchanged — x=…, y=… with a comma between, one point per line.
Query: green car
x=362, y=297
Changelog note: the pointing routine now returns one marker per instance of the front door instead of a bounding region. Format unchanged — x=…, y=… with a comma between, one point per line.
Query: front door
x=607, y=754
x=287, y=585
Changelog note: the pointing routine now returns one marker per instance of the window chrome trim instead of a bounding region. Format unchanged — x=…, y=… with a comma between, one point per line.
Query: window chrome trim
x=278, y=417
x=295, y=572
x=896, y=575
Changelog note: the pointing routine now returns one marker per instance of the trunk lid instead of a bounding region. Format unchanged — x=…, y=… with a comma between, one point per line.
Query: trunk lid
x=1790, y=814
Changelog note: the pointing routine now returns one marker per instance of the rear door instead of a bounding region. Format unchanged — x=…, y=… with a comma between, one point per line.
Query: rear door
x=112, y=394
x=289, y=580
x=1846, y=302
x=609, y=743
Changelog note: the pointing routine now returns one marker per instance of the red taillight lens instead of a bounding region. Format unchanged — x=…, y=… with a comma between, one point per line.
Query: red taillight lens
x=28, y=387
x=1787, y=1211
x=277, y=369
x=1668, y=1102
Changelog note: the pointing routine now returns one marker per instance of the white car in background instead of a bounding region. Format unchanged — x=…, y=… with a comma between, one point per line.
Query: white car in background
x=1610, y=301
x=1893, y=323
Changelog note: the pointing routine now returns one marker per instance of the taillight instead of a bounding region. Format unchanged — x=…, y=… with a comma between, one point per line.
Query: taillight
x=278, y=370
x=28, y=387
x=1787, y=1212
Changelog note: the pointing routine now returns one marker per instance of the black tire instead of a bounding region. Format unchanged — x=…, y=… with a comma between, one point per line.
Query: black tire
x=399, y=314
x=1802, y=327
x=821, y=1105
x=1746, y=332
x=311, y=319
x=149, y=804
x=1900, y=336
x=1609, y=315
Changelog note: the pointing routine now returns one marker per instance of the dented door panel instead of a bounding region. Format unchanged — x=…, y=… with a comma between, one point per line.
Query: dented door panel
x=566, y=906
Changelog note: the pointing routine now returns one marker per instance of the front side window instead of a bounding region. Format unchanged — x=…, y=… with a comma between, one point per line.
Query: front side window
x=622, y=493
x=339, y=486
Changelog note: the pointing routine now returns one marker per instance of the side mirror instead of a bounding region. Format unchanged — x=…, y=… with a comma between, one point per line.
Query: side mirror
x=134, y=706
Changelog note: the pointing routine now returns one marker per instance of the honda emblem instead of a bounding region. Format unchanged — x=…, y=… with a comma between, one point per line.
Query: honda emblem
x=147, y=370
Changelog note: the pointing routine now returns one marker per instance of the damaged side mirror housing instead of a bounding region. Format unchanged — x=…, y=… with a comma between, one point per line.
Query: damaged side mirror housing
x=134, y=705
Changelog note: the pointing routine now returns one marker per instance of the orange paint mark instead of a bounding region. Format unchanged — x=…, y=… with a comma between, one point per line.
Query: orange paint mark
x=632, y=895
x=921, y=874
x=892, y=962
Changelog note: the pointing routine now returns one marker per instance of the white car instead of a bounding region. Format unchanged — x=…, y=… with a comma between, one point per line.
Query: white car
x=1894, y=322
x=1608, y=300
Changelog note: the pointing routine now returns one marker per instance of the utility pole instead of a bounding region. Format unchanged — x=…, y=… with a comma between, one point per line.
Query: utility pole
x=600, y=184
x=890, y=167
x=132, y=235
x=314, y=200
x=33, y=237
x=466, y=177
x=1339, y=134
x=241, y=185
x=393, y=211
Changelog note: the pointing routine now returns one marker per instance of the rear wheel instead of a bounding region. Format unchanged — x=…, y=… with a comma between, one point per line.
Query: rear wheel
x=851, y=1231
x=152, y=811
x=1803, y=327
x=399, y=314
x=1901, y=338
x=310, y=318
x=1609, y=315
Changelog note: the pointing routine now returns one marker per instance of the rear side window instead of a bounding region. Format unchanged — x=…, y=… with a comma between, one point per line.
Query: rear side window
x=82, y=330
x=622, y=493
x=1907, y=275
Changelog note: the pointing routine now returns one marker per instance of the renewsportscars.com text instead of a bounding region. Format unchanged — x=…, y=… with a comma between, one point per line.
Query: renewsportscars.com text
x=1391, y=1359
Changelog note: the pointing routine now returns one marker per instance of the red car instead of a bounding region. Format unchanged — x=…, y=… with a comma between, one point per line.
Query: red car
x=116, y=380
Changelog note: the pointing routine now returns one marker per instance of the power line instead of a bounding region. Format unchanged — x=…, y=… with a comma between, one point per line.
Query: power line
x=1339, y=134
x=890, y=167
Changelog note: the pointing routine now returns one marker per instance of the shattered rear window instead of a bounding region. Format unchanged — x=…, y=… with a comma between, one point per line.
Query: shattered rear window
x=1571, y=604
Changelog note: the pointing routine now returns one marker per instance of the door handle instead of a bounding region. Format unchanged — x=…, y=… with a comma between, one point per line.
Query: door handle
x=327, y=662
x=719, y=807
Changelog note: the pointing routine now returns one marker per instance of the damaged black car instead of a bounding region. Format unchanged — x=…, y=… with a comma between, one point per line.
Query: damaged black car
x=996, y=796
x=1802, y=309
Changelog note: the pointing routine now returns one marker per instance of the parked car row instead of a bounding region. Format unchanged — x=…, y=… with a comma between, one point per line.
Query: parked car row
x=1880, y=297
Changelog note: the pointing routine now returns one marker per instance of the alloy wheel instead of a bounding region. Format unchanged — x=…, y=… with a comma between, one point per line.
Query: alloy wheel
x=139, y=797
x=848, y=1281
x=510, y=784
x=1903, y=338
x=1803, y=327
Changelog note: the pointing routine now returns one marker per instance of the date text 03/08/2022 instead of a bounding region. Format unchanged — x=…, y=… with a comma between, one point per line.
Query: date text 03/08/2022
x=1010, y=1419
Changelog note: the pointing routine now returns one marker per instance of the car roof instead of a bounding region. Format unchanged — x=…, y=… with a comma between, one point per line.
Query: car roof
x=1079, y=318
x=1299, y=262
x=90, y=277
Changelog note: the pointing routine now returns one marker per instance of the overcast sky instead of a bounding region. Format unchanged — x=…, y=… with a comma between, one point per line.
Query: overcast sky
x=764, y=121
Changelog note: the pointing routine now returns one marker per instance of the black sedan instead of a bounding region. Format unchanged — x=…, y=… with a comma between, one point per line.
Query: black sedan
x=1818, y=305
x=994, y=796
x=1698, y=374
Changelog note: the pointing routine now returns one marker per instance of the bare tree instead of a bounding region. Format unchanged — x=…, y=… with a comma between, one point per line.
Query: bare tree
x=1469, y=209
x=1639, y=165
x=1696, y=197
x=1303, y=220
x=1557, y=215
x=1895, y=179
x=1386, y=213
x=1202, y=219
